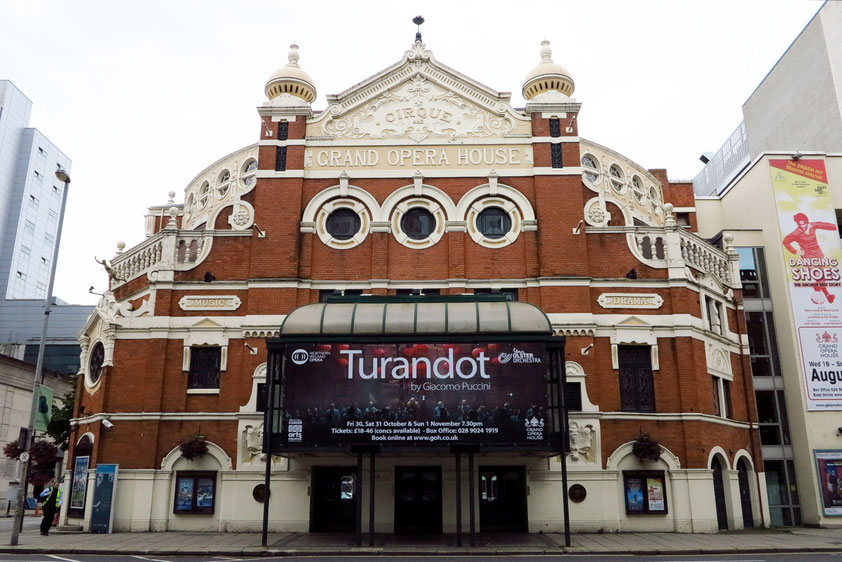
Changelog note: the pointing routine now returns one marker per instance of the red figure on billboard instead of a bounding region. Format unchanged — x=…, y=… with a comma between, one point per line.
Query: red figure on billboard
x=808, y=246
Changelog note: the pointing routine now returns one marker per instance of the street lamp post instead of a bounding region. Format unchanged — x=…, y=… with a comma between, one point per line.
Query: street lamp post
x=63, y=176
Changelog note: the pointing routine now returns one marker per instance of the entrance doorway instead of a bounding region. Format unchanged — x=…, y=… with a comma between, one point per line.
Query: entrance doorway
x=745, y=495
x=719, y=495
x=418, y=499
x=333, y=499
x=502, y=499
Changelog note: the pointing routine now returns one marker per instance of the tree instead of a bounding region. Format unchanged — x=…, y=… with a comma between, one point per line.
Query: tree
x=59, y=427
x=42, y=460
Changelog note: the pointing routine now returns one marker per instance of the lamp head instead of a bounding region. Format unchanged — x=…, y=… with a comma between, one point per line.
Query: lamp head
x=62, y=175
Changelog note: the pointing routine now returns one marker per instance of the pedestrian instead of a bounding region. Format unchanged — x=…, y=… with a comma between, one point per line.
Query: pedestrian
x=50, y=502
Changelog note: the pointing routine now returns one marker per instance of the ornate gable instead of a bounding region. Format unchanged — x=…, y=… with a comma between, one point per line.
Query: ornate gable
x=418, y=99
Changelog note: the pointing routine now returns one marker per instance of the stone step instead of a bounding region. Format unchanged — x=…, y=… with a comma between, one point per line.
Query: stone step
x=69, y=529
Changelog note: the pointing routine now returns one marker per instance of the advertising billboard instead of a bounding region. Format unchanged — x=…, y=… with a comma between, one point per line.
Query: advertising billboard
x=415, y=395
x=812, y=252
x=829, y=465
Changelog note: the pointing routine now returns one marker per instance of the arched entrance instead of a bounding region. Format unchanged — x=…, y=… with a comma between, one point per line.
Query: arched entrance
x=745, y=494
x=719, y=495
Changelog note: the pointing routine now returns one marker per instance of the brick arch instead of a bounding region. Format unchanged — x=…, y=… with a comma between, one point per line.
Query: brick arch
x=624, y=450
x=428, y=191
x=499, y=190
x=335, y=191
x=214, y=450
x=717, y=450
x=742, y=454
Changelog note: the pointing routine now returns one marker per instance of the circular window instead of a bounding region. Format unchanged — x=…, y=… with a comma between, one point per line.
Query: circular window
x=577, y=493
x=259, y=493
x=616, y=178
x=204, y=195
x=343, y=224
x=590, y=169
x=223, y=184
x=494, y=223
x=249, y=173
x=97, y=357
x=639, y=191
x=418, y=224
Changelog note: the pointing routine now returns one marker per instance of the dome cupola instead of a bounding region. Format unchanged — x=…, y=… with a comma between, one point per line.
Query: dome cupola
x=291, y=80
x=547, y=76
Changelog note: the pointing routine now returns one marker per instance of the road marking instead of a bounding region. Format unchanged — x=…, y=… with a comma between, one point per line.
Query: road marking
x=60, y=558
x=152, y=559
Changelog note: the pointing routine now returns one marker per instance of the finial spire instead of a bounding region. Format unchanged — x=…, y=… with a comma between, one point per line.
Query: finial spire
x=293, y=55
x=546, y=52
x=418, y=20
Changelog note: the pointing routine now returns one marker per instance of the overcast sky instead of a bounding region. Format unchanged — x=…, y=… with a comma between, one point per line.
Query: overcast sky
x=142, y=96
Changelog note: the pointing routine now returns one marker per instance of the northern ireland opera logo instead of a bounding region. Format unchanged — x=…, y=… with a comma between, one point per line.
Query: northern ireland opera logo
x=300, y=356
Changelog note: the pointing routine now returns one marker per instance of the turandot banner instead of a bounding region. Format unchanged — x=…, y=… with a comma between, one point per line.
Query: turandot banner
x=812, y=253
x=415, y=395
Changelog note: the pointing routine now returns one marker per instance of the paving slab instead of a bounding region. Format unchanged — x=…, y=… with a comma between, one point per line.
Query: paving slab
x=503, y=544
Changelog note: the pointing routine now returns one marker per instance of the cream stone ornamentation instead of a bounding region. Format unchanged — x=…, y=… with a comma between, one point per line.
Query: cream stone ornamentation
x=242, y=216
x=595, y=213
x=334, y=205
x=630, y=300
x=632, y=188
x=582, y=442
x=418, y=109
x=209, y=302
x=252, y=440
x=719, y=361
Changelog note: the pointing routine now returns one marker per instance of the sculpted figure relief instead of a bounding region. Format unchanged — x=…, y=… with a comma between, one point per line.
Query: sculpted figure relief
x=582, y=439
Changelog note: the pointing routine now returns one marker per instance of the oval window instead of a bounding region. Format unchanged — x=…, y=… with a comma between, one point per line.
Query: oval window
x=343, y=224
x=247, y=176
x=95, y=362
x=590, y=168
x=418, y=223
x=204, y=195
x=616, y=178
x=494, y=223
x=223, y=183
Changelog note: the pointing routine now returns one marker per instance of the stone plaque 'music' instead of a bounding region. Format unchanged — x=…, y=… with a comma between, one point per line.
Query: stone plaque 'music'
x=221, y=302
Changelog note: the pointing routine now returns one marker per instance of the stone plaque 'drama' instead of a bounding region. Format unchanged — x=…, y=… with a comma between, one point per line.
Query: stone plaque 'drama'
x=216, y=302
x=630, y=300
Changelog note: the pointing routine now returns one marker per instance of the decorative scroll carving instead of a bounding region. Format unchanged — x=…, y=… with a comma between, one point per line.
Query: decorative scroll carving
x=418, y=109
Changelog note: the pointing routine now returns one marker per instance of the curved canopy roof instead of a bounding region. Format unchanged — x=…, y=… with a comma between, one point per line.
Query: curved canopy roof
x=410, y=317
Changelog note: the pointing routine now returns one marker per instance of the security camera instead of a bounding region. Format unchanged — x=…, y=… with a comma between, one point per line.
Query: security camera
x=107, y=424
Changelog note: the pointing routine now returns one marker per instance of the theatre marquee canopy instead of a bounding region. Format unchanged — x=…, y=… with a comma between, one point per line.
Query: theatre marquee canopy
x=414, y=373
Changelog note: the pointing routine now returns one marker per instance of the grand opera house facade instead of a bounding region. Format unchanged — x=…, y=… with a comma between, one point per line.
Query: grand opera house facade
x=423, y=279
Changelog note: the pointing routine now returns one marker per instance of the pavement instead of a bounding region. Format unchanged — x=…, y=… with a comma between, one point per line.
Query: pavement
x=791, y=540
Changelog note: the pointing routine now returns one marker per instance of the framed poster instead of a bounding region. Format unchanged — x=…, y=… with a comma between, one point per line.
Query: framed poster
x=105, y=484
x=195, y=492
x=634, y=495
x=79, y=485
x=415, y=396
x=645, y=492
x=829, y=465
x=184, y=494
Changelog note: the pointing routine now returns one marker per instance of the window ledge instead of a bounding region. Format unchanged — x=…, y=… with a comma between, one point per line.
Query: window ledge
x=202, y=391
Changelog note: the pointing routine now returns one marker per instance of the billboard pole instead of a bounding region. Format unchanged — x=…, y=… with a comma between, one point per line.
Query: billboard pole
x=558, y=373
x=458, y=498
x=274, y=359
